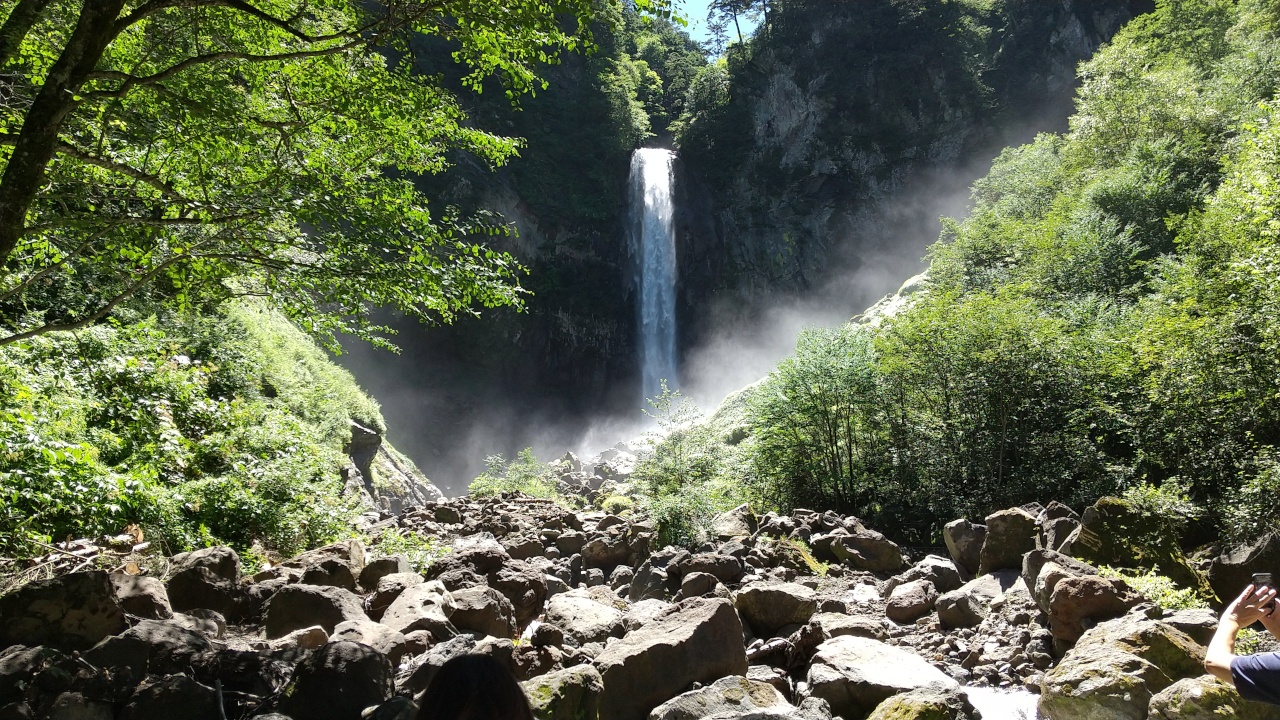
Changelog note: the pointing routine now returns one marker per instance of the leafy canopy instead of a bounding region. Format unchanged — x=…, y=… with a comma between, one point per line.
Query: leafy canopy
x=192, y=150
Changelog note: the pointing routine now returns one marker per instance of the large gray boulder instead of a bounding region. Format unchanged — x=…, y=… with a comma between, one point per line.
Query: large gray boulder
x=208, y=579
x=583, y=618
x=1116, y=667
x=337, y=682
x=376, y=635
x=1231, y=571
x=766, y=608
x=927, y=703
x=866, y=549
x=939, y=571
x=142, y=596
x=698, y=640
x=569, y=694
x=734, y=696
x=1010, y=534
x=425, y=606
x=1206, y=698
x=1077, y=601
x=70, y=612
x=964, y=541
x=911, y=601
x=967, y=606
x=855, y=674
x=484, y=610
x=295, y=607
x=176, y=696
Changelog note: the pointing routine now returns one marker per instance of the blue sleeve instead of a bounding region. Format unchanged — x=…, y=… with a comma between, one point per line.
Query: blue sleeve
x=1257, y=677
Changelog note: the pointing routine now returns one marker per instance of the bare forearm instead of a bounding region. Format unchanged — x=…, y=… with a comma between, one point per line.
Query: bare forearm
x=1221, y=651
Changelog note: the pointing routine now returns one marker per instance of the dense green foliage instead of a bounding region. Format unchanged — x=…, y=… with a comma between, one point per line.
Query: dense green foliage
x=525, y=474
x=204, y=148
x=227, y=427
x=1106, y=320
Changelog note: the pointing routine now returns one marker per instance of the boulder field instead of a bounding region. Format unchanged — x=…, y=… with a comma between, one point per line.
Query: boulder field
x=807, y=616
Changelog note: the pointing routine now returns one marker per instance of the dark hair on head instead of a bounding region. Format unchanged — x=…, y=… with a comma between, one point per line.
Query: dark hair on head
x=474, y=687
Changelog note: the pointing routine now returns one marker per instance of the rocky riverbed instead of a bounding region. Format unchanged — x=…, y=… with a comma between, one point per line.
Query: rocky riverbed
x=808, y=616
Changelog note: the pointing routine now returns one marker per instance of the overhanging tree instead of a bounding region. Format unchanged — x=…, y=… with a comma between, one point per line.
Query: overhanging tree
x=188, y=149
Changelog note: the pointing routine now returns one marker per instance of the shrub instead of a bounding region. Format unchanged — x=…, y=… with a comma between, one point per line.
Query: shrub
x=420, y=550
x=525, y=474
x=1158, y=589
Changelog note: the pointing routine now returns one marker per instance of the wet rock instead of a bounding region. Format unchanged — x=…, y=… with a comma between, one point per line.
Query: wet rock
x=766, y=608
x=911, y=601
x=855, y=674
x=964, y=542
x=569, y=694
x=337, y=682
x=71, y=612
x=1010, y=534
x=296, y=607
x=699, y=640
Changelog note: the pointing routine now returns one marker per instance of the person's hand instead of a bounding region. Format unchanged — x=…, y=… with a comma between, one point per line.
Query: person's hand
x=1254, y=604
x=1271, y=620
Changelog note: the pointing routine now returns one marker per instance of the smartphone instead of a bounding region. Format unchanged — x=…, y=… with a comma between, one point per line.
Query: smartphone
x=1263, y=580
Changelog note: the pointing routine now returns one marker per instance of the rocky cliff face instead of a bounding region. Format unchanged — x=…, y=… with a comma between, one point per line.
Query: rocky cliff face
x=851, y=127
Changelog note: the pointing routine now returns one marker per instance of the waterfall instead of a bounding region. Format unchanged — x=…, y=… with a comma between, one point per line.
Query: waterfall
x=653, y=248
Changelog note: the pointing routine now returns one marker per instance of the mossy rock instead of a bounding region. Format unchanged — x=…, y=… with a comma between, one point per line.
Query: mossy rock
x=925, y=704
x=1206, y=698
x=1113, y=532
x=569, y=694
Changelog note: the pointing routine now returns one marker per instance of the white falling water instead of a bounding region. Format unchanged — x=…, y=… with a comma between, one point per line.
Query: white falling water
x=653, y=246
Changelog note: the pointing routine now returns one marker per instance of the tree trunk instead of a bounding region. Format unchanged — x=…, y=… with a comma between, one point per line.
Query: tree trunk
x=16, y=27
x=38, y=139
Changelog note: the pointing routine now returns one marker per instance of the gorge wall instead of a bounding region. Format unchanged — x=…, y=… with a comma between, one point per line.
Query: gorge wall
x=815, y=160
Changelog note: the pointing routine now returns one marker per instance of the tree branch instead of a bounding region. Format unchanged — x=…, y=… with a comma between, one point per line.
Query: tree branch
x=45, y=272
x=69, y=150
x=102, y=312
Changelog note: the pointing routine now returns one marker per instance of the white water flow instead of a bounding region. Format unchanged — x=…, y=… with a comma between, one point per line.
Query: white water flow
x=653, y=247
x=1002, y=704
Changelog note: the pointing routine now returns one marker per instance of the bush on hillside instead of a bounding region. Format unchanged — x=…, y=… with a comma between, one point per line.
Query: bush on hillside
x=225, y=428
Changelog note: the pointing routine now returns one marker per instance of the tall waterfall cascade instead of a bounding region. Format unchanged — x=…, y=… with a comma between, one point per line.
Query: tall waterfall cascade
x=653, y=249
